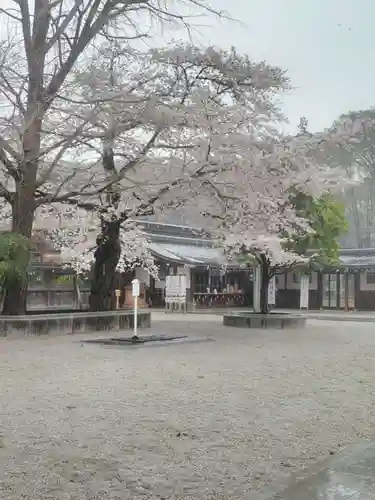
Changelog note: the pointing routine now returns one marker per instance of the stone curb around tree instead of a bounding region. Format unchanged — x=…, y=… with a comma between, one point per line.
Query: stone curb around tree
x=272, y=320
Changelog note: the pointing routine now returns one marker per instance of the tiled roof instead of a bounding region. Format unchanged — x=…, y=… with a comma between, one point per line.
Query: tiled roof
x=189, y=254
x=358, y=258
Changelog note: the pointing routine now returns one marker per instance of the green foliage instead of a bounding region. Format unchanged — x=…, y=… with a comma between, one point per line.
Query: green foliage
x=68, y=280
x=64, y=279
x=14, y=258
x=246, y=259
x=326, y=216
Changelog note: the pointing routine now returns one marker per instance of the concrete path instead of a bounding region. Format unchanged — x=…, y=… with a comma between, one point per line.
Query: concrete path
x=349, y=475
x=361, y=316
x=223, y=420
x=355, y=316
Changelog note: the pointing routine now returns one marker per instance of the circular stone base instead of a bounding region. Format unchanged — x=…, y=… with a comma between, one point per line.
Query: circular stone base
x=143, y=339
x=149, y=341
x=257, y=320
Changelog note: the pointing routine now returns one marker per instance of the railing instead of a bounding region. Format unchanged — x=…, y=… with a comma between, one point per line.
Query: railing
x=224, y=299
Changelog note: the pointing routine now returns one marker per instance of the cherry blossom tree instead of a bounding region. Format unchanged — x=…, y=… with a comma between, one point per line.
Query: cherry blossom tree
x=170, y=134
x=197, y=129
x=259, y=228
x=176, y=127
x=266, y=253
x=41, y=44
x=359, y=161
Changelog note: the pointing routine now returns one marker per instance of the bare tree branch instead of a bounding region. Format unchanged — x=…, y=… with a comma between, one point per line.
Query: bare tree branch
x=4, y=144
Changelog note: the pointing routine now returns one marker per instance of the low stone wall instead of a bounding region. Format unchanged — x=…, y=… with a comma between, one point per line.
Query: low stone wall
x=81, y=322
x=272, y=320
x=54, y=298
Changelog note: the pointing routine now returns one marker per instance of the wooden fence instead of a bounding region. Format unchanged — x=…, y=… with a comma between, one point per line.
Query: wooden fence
x=56, y=298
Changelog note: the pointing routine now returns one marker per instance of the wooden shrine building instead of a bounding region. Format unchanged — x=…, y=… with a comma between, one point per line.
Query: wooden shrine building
x=214, y=281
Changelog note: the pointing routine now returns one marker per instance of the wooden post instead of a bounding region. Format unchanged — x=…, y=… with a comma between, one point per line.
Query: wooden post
x=346, y=285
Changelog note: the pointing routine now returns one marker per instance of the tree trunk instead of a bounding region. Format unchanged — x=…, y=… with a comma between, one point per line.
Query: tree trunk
x=265, y=279
x=15, y=298
x=24, y=206
x=107, y=255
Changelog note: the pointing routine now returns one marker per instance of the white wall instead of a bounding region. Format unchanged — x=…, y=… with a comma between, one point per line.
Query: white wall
x=289, y=283
x=159, y=284
x=363, y=285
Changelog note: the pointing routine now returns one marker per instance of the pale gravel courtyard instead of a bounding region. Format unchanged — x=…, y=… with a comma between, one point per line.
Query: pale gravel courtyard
x=90, y=422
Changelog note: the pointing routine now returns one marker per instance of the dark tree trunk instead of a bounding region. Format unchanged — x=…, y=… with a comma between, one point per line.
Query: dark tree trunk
x=107, y=255
x=23, y=205
x=265, y=279
x=15, y=297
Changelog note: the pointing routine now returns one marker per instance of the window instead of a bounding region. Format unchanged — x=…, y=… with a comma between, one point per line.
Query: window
x=370, y=277
x=296, y=278
x=330, y=290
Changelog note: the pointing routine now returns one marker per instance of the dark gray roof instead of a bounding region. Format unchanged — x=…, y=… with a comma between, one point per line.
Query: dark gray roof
x=173, y=230
x=183, y=245
x=358, y=258
x=185, y=254
x=192, y=246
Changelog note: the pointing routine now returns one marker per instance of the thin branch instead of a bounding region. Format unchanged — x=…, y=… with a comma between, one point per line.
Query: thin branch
x=10, y=167
x=15, y=93
x=4, y=144
x=7, y=195
x=26, y=28
x=7, y=12
x=65, y=23
x=65, y=145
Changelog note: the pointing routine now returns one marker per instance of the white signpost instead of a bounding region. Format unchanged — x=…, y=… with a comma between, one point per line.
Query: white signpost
x=304, y=297
x=175, y=292
x=118, y=295
x=135, y=293
x=272, y=291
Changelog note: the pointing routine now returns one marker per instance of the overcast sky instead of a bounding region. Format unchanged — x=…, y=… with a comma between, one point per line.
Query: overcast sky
x=327, y=46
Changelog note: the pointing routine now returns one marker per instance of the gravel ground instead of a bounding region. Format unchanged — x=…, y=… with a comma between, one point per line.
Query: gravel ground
x=215, y=420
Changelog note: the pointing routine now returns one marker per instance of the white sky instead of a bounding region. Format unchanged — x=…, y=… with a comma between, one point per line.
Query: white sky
x=326, y=45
